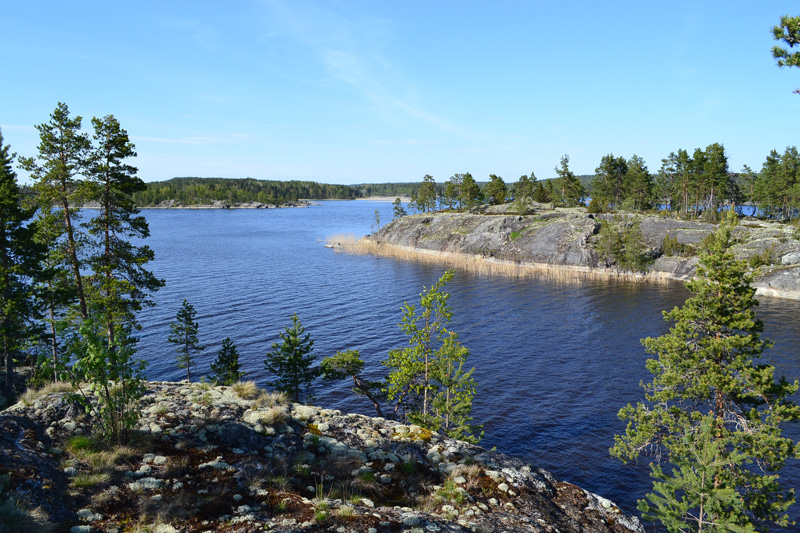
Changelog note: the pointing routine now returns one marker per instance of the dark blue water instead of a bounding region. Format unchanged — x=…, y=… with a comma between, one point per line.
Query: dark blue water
x=555, y=361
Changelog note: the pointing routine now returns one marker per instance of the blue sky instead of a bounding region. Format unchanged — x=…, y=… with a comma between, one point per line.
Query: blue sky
x=378, y=91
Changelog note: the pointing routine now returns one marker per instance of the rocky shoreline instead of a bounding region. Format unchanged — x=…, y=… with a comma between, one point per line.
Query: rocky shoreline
x=566, y=241
x=205, y=458
x=218, y=204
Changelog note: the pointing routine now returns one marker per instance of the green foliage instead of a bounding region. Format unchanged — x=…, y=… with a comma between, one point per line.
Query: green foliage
x=290, y=361
x=638, y=185
x=115, y=377
x=523, y=193
x=777, y=188
x=469, y=194
x=348, y=364
x=597, y=206
x=765, y=258
x=425, y=197
x=541, y=194
x=398, y=210
x=193, y=191
x=427, y=379
x=787, y=31
x=377, y=225
x=688, y=500
x=183, y=334
x=225, y=367
x=568, y=189
x=607, y=186
x=495, y=191
x=20, y=266
x=623, y=244
x=63, y=156
x=712, y=407
x=120, y=284
x=671, y=246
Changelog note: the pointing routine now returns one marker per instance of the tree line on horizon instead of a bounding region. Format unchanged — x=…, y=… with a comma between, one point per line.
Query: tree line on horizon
x=687, y=185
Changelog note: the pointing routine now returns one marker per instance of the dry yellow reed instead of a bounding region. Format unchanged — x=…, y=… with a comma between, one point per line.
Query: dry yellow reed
x=490, y=266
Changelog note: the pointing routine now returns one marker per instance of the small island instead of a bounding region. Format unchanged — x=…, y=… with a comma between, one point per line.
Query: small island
x=572, y=243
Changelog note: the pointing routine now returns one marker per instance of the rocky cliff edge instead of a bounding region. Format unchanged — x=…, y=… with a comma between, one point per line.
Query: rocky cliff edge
x=566, y=240
x=207, y=458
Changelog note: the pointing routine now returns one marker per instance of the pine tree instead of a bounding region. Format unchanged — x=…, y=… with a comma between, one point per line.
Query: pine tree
x=569, y=188
x=62, y=160
x=709, y=371
x=787, y=31
x=426, y=195
x=607, y=185
x=184, y=337
x=398, y=211
x=290, y=361
x=469, y=192
x=638, y=185
x=20, y=258
x=225, y=367
x=120, y=284
x=496, y=190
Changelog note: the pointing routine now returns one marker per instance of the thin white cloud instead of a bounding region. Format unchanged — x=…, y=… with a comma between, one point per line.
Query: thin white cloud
x=350, y=49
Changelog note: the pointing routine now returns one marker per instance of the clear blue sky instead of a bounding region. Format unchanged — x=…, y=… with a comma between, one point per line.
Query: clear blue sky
x=379, y=91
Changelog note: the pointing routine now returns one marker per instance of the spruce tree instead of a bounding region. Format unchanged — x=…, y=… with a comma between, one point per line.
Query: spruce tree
x=225, y=367
x=20, y=258
x=184, y=337
x=290, y=361
x=713, y=407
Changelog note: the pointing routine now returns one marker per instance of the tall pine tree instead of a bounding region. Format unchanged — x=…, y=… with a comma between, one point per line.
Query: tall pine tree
x=57, y=173
x=120, y=284
x=714, y=406
x=20, y=258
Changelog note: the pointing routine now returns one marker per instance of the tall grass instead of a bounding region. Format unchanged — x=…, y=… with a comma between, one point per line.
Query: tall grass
x=491, y=266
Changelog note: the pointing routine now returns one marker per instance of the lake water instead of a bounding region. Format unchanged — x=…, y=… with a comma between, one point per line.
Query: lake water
x=555, y=361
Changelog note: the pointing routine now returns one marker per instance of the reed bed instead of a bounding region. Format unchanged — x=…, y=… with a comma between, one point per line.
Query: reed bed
x=491, y=266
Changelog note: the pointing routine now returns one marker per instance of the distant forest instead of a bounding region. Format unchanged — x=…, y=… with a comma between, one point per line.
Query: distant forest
x=192, y=191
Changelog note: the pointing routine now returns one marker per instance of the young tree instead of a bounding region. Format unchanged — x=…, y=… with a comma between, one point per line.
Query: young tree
x=569, y=189
x=348, y=364
x=426, y=379
x=495, y=191
x=290, y=361
x=184, y=336
x=541, y=194
x=709, y=375
x=63, y=157
x=115, y=377
x=398, y=210
x=20, y=259
x=523, y=193
x=225, y=367
x=787, y=31
x=120, y=284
